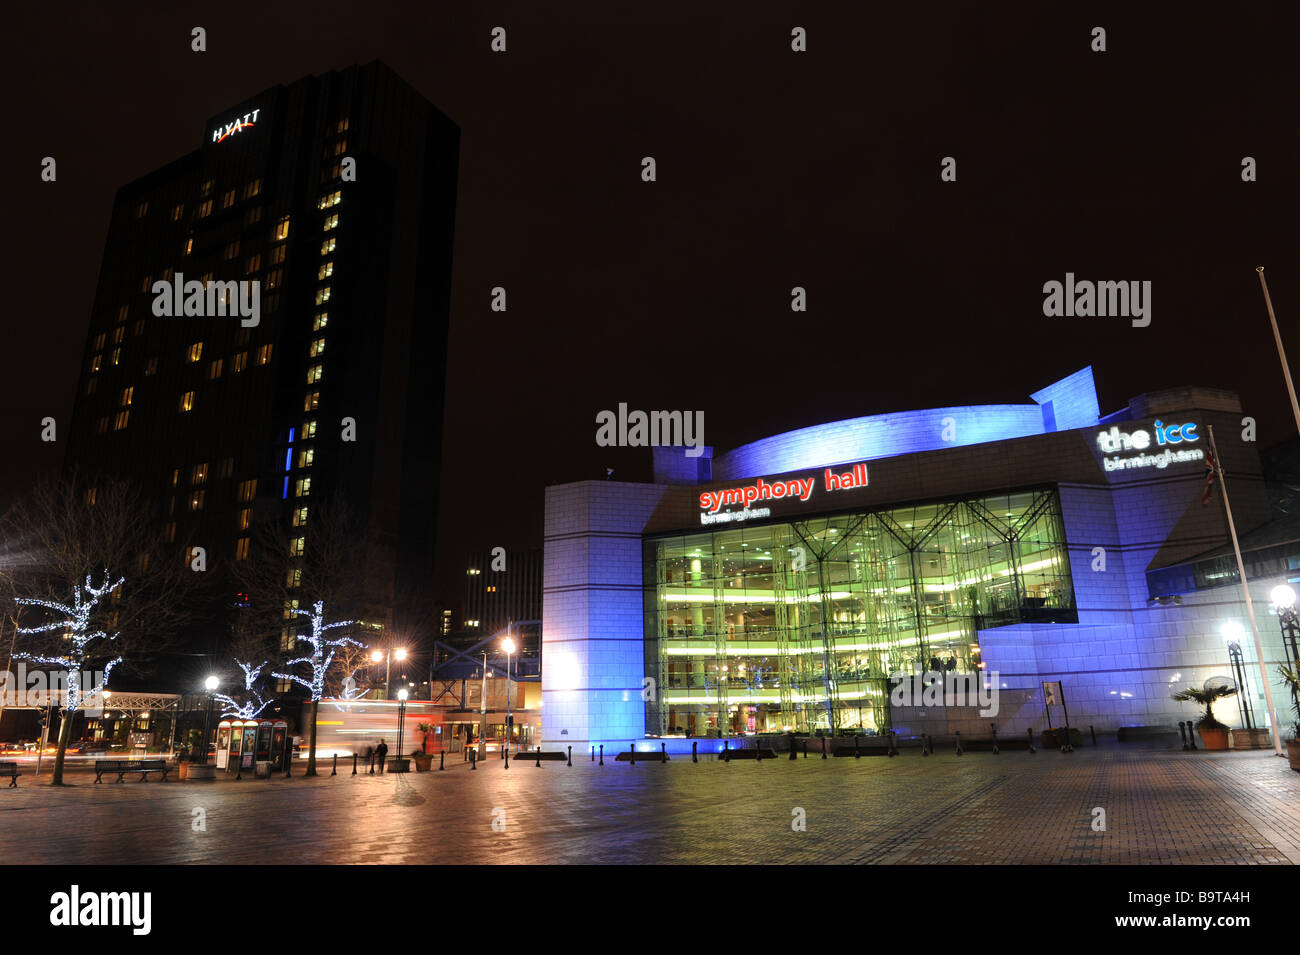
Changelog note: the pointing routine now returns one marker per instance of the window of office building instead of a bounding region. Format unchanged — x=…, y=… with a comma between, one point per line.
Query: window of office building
x=797, y=626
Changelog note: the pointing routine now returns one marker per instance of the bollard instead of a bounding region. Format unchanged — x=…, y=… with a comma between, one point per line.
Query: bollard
x=823, y=747
x=1031, y=740
x=593, y=754
x=1182, y=733
x=354, y=764
x=893, y=745
x=695, y=751
x=539, y=758
x=372, y=765
x=663, y=749
x=441, y=757
x=726, y=751
x=1094, y=734
x=857, y=753
x=506, y=750
x=473, y=760
x=602, y=754
x=993, y=727
x=632, y=748
x=1191, y=734
x=805, y=749
x=958, y=742
x=793, y=749
x=925, y=745
x=335, y=770
x=239, y=769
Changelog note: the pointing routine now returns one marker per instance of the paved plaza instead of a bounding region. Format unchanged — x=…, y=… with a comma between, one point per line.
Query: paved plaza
x=1160, y=806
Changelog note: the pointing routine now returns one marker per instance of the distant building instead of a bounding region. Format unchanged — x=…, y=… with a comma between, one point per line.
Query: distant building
x=501, y=587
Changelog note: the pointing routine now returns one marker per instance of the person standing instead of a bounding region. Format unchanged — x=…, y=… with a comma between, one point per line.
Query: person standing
x=381, y=751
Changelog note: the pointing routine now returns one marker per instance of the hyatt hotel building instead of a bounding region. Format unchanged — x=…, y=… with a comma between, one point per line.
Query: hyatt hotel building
x=775, y=587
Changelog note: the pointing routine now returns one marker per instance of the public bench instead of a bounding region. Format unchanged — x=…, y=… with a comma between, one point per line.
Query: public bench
x=759, y=753
x=647, y=757
x=10, y=770
x=986, y=745
x=549, y=755
x=123, y=766
x=862, y=751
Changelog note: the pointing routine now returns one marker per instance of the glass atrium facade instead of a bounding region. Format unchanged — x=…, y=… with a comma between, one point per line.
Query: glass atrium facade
x=796, y=626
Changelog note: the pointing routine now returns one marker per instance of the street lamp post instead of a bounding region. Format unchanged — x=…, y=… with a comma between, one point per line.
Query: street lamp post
x=1284, y=603
x=387, y=656
x=401, y=719
x=1243, y=690
x=508, y=645
x=210, y=684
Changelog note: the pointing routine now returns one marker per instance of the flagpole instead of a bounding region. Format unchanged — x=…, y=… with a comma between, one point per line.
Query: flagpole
x=1281, y=352
x=1245, y=589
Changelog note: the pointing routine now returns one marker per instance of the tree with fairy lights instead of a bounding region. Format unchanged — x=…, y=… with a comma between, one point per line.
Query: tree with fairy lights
x=320, y=660
x=294, y=571
x=76, y=616
x=253, y=704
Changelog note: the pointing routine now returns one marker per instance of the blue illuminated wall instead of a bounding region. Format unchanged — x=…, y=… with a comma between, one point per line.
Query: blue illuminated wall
x=1069, y=403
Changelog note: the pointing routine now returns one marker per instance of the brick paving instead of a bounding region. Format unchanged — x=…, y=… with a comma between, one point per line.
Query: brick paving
x=1161, y=807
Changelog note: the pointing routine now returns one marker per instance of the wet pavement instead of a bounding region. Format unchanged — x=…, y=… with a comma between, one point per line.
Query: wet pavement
x=1159, y=807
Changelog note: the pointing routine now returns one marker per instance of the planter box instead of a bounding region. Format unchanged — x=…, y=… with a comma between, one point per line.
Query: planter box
x=198, y=771
x=1293, y=753
x=398, y=764
x=1213, y=739
x=423, y=763
x=1252, y=739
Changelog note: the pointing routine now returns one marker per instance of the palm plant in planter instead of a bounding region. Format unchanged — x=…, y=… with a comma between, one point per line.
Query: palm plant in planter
x=423, y=758
x=1292, y=679
x=1214, y=734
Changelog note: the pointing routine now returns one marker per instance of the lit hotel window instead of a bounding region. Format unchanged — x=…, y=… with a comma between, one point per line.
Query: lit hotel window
x=342, y=125
x=151, y=367
x=281, y=230
x=311, y=402
x=141, y=210
x=322, y=319
x=333, y=199
x=326, y=270
x=118, y=334
x=230, y=251
x=95, y=363
x=91, y=494
x=121, y=420
x=277, y=254
x=253, y=188
x=177, y=211
x=253, y=216
x=138, y=328
x=300, y=517
x=90, y=385
x=264, y=355
x=196, y=351
x=145, y=283
x=228, y=199
x=252, y=264
x=99, y=341
x=127, y=395
x=196, y=500
x=306, y=456
x=241, y=548
x=247, y=489
x=293, y=578
x=206, y=188
x=317, y=347
x=309, y=429
x=199, y=474
x=214, y=370
x=117, y=355
x=101, y=426
x=189, y=245
x=331, y=222
x=239, y=362
x=245, y=518
x=298, y=545
x=125, y=310
x=176, y=477
x=205, y=209
x=322, y=295
x=302, y=487
x=327, y=246
x=187, y=401
x=315, y=373
x=274, y=278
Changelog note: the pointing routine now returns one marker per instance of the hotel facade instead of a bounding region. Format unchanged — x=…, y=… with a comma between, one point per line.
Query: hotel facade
x=778, y=587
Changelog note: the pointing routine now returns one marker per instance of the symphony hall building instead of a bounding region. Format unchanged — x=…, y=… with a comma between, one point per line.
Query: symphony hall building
x=775, y=587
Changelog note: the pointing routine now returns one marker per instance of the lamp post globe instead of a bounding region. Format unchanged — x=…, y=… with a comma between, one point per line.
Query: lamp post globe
x=210, y=684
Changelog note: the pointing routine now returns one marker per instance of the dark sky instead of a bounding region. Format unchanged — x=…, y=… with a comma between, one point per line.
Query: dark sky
x=775, y=169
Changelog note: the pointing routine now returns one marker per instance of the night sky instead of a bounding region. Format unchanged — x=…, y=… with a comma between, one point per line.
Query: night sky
x=775, y=169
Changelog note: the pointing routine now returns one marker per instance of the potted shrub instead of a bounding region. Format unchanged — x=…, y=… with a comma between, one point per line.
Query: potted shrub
x=1214, y=735
x=1292, y=679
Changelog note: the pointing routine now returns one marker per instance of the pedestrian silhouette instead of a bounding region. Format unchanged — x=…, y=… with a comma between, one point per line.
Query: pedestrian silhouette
x=381, y=751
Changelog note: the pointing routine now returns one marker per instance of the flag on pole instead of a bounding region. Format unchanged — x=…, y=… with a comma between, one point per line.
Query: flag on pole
x=1209, y=476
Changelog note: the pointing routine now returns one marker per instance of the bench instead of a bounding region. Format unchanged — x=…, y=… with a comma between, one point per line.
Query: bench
x=762, y=753
x=549, y=755
x=986, y=745
x=862, y=751
x=648, y=757
x=10, y=770
x=123, y=766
